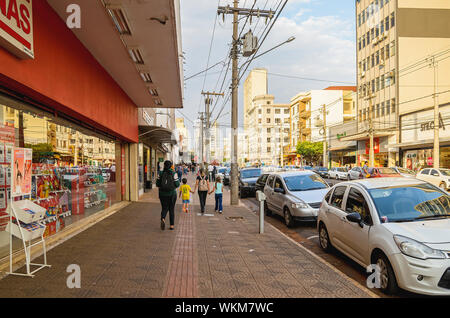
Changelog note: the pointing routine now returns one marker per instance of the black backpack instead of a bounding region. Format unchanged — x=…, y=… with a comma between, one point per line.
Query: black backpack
x=167, y=182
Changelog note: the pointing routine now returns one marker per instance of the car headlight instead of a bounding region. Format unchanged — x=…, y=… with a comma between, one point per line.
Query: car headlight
x=415, y=249
x=299, y=205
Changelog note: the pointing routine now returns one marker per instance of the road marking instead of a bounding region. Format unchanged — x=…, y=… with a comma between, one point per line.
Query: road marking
x=311, y=237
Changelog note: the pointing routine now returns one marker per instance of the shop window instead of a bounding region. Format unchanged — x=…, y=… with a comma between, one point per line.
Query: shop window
x=69, y=182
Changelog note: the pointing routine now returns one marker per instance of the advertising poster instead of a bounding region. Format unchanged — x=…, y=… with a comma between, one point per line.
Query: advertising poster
x=21, y=172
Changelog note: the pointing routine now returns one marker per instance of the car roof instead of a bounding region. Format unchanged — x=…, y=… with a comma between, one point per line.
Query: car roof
x=293, y=173
x=376, y=183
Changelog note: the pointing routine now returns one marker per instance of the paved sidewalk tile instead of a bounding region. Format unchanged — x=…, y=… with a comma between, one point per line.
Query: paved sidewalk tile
x=127, y=255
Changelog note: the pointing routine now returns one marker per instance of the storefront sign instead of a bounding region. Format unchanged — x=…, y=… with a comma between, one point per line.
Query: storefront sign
x=376, y=145
x=16, y=27
x=339, y=136
x=21, y=176
x=430, y=125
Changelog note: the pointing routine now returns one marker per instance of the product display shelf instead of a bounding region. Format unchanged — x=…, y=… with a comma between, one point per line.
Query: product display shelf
x=55, y=217
x=91, y=204
x=26, y=222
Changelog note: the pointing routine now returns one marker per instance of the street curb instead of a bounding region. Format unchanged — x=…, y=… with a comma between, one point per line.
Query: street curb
x=337, y=271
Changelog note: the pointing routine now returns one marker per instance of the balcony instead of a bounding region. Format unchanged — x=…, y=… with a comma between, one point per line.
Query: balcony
x=305, y=114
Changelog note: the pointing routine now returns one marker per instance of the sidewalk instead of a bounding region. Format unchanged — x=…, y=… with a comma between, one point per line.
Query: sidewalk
x=127, y=255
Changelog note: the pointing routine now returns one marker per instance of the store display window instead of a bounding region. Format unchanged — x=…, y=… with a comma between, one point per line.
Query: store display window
x=73, y=171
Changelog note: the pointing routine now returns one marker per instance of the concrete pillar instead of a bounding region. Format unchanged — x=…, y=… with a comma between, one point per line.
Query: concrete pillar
x=134, y=173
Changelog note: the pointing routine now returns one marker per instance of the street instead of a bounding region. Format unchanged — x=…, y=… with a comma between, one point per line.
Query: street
x=306, y=234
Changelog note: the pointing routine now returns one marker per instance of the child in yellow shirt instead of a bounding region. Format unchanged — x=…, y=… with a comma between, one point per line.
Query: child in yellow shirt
x=185, y=193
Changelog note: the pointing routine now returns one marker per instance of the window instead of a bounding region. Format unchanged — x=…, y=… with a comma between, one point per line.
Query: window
x=392, y=19
x=377, y=58
x=382, y=81
x=381, y=28
x=372, y=34
x=386, y=23
x=270, y=181
x=286, y=111
x=392, y=48
x=278, y=184
x=268, y=139
x=259, y=111
x=328, y=196
x=357, y=203
x=434, y=173
x=268, y=120
x=393, y=105
x=377, y=83
x=338, y=197
x=277, y=121
x=387, y=52
x=372, y=58
x=373, y=86
x=426, y=171
x=268, y=130
x=378, y=110
x=359, y=19
x=268, y=110
x=277, y=111
x=260, y=121
x=387, y=109
x=388, y=106
x=269, y=149
x=382, y=111
x=268, y=103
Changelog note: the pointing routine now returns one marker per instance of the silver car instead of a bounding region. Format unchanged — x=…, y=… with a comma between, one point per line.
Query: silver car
x=295, y=195
x=404, y=172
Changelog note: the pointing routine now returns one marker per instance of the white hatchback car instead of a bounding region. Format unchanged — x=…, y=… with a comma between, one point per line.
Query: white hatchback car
x=338, y=173
x=400, y=224
x=438, y=177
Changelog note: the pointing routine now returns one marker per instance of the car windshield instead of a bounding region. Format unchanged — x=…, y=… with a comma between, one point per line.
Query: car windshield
x=305, y=182
x=387, y=171
x=407, y=203
x=341, y=169
x=445, y=172
x=251, y=173
x=403, y=170
x=308, y=168
x=323, y=169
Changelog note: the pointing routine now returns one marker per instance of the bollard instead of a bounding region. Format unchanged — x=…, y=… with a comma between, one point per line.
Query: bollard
x=261, y=197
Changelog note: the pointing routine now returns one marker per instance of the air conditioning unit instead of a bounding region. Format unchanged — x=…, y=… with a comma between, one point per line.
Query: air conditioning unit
x=363, y=74
x=382, y=62
x=385, y=35
x=391, y=74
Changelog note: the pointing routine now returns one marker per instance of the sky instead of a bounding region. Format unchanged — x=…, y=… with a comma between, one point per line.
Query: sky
x=324, y=50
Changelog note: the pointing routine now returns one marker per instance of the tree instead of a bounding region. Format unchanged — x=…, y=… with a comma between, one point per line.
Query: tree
x=310, y=151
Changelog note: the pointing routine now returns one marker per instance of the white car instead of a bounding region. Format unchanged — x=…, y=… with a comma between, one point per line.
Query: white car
x=338, y=173
x=438, y=177
x=400, y=224
x=404, y=172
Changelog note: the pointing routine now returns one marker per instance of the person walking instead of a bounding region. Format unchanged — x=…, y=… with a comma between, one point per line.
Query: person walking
x=202, y=184
x=214, y=172
x=218, y=195
x=167, y=184
x=185, y=193
x=179, y=173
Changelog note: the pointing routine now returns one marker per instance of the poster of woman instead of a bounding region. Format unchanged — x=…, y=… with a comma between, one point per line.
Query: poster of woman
x=21, y=178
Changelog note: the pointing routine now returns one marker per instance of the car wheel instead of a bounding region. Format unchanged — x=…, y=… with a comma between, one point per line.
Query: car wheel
x=288, y=219
x=324, y=239
x=266, y=209
x=388, y=282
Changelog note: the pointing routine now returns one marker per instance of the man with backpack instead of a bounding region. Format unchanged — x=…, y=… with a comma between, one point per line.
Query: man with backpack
x=167, y=184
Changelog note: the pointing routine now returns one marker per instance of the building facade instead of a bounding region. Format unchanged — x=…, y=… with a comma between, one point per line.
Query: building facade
x=401, y=46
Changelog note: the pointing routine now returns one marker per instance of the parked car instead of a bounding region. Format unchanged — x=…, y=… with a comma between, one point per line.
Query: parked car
x=224, y=174
x=291, y=167
x=261, y=182
x=438, y=177
x=357, y=173
x=309, y=168
x=321, y=171
x=247, y=181
x=400, y=224
x=338, y=173
x=405, y=172
x=383, y=172
x=295, y=195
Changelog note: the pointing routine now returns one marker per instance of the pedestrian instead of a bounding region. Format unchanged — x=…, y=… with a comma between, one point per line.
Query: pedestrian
x=202, y=184
x=210, y=171
x=167, y=184
x=218, y=195
x=179, y=173
x=214, y=172
x=185, y=193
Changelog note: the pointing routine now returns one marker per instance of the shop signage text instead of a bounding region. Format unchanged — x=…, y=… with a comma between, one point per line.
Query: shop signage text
x=339, y=136
x=430, y=125
x=16, y=27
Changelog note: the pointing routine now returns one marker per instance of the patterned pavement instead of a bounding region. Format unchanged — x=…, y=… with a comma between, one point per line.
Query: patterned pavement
x=208, y=256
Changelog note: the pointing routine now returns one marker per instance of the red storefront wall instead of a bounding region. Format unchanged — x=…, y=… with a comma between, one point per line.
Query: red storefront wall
x=66, y=77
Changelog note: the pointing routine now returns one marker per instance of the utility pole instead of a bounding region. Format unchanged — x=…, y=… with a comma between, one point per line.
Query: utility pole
x=236, y=12
x=208, y=101
x=371, y=129
x=325, y=147
x=436, y=159
x=202, y=118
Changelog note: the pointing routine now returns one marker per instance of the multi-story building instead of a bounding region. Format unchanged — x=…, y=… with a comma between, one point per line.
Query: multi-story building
x=401, y=46
x=183, y=140
x=306, y=116
x=255, y=85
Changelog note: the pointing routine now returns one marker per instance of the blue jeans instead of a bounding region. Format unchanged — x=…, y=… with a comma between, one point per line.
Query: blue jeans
x=218, y=198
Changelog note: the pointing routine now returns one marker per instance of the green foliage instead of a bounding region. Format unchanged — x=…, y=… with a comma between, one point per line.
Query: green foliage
x=41, y=151
x=310, y=151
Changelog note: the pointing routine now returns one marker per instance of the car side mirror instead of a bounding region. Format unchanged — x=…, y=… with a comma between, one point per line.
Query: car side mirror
x=355, y=217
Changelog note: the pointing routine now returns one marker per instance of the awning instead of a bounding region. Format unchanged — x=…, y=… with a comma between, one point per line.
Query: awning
x=344, y=148
x=157, y=135
x=365, y=136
